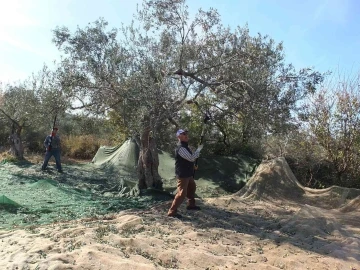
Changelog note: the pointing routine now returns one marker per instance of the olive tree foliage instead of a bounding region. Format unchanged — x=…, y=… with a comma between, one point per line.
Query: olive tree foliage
x=248, y=88
x=106, y=74
x=332, y=115
x=149, y=73
x=52, y=95
x=53, y=103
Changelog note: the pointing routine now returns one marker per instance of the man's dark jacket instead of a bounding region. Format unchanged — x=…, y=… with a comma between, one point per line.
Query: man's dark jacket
x=183, y=167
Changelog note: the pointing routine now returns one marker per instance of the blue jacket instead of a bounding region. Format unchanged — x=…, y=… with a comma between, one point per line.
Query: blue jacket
x=55, y=142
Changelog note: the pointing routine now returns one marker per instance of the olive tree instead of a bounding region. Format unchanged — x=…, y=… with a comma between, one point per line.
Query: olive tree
x=18, y=107
x=30, y=104
x=148, y=72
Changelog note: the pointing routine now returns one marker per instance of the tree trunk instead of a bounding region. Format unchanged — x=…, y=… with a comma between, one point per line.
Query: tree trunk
x=148, y=163
x=17, y=148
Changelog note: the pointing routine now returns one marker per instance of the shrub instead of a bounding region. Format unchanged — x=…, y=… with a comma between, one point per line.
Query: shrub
x=34, y=141
x=81, y=147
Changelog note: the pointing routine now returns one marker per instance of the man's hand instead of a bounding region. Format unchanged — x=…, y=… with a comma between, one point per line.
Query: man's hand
x=200, y=147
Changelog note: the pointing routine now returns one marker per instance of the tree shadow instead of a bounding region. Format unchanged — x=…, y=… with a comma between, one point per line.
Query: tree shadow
x=9, y=208
x=23, y=163
x=229, y=173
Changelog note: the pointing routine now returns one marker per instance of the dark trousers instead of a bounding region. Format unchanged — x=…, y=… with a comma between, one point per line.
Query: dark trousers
x=186, y=188
x=48, y=155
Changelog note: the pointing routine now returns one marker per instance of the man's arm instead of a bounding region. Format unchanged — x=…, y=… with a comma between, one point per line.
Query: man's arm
x=186, y=154
x=46, y=142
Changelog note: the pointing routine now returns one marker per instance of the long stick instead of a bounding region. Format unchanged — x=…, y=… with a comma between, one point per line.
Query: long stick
x=206, y=119
x=52, y=133
x=54, y=121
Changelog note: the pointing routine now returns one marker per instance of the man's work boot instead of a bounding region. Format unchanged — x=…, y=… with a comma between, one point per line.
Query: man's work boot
x=193, y=207
x=176, y=215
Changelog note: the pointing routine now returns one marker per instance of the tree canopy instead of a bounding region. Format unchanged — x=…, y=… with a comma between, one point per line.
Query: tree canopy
x=148, y=73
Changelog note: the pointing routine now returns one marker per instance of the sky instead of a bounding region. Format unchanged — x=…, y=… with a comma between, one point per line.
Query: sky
x=323, y=34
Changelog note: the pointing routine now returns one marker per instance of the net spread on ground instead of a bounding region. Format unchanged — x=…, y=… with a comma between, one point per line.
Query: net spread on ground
x=108, y=184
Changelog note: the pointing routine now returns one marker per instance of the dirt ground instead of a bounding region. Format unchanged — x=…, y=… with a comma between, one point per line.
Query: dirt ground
x=271, y=223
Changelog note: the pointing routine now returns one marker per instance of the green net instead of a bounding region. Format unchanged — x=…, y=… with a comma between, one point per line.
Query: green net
x=81, y=192
x=8, y=204
x=217, y=175
x=107, y=184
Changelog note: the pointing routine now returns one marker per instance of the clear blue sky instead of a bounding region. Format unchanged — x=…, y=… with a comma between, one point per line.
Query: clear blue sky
x=324, y=34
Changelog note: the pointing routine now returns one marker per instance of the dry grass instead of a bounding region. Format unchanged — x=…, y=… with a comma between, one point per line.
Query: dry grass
x=81, y=147
x=36, y=158
x=7, y=157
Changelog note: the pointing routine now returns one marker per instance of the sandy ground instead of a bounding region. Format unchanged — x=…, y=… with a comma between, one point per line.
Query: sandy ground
x=272, y=223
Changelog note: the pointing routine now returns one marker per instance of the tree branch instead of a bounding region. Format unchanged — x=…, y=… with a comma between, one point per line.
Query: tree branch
x=172, y=121
x=181, y=72
x=9, y=117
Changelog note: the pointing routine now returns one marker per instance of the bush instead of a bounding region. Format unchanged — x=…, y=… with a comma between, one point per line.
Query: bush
x=305, y=157
x=34, y=141
x=81, y=147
